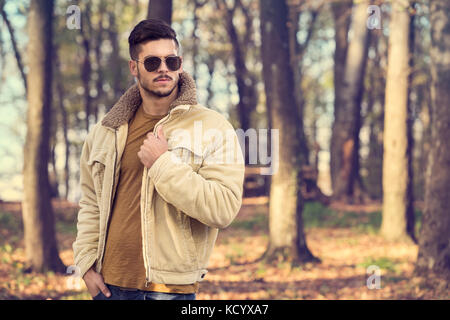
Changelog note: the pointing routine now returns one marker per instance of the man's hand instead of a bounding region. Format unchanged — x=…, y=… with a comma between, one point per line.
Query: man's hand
x=95, y=284
x=152, y=148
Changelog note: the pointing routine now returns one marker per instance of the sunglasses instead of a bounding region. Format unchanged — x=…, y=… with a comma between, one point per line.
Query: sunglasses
x=151, y=64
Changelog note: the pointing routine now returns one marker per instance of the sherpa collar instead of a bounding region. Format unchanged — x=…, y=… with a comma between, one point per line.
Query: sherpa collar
x=128, y=103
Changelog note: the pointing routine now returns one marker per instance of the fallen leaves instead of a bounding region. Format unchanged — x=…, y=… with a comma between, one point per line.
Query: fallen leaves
x=235, y=271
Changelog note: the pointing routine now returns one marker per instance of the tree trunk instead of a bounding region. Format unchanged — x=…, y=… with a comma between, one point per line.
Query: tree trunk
x=12, y=35
x=342, y=17
x=434, y=247
x=99, y=98
x=211, y=64
x=375, y=115
x=297, y=52
x=160, y=9
x=40, y=243
x=195, y=38
x=86, y=70
x=395, y=158
x=245, y=82
x=64, y=120
x=410, y=216
x=287, y=240
x=114, y=58
x=345, y=135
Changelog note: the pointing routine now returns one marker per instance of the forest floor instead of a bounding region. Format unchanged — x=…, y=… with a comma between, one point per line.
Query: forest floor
x=344, y=238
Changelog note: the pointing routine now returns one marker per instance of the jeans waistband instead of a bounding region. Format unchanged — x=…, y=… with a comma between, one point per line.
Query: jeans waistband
x=123, y=288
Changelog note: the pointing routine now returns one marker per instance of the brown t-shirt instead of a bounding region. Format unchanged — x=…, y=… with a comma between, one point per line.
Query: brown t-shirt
x=123, y=263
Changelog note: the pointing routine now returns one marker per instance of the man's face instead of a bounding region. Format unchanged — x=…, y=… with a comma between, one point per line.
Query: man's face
x=150, y=81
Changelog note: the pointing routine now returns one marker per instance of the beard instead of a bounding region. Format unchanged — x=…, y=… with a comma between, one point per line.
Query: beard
x=157, y=93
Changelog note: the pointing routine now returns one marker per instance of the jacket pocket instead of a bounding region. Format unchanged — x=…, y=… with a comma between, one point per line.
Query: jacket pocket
x=189, y=240
x=97, y=161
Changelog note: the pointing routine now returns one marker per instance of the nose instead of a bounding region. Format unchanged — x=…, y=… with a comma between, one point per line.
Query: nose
x=163, y=67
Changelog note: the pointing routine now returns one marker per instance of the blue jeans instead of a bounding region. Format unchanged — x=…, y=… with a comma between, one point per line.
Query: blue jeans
x=118, y=293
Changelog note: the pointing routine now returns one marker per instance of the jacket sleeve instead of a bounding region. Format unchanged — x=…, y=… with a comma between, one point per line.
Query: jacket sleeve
x=213, y=196
x=86, y=242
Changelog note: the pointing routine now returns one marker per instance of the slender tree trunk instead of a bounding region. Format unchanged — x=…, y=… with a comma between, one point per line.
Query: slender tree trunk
x=160, y=9
x=86, y=32
x=410, y=216
x=342, y=17
x=114, y=59
x=297, y=52
x=375, y=115
x=53, y=174
x=434, y=246
x=195, y=40
x=14, y=44
x=98, y=60
x=395, y=157
x=345, y=140
x=40, y=243
x=64, y=120
x=246, y=83
x=210, y=63
x=287, y=240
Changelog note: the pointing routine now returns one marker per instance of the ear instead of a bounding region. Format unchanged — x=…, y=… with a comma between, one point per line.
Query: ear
x=133, y=68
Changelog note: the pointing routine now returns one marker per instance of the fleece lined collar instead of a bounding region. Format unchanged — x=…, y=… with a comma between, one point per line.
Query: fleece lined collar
x=128, y=103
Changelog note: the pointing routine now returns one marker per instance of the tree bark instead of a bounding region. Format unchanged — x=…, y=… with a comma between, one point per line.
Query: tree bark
x=375, y=115
x=117, y=74
x=396, y=200
x=160, y=9
x=86, y=70
x=195, y=39
x=434, y=247
x=342, y=17
x=14, y=45
x=245, y=81
x=297, y=52
x=345, y=134
x=40, y=243
x=99, y=101
x=287, y=240
x=60, y=93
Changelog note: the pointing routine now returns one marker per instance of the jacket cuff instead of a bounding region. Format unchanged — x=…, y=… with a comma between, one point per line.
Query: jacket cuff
x=86, y=263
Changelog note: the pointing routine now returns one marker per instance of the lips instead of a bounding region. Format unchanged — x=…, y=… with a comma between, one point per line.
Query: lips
x=163, y=80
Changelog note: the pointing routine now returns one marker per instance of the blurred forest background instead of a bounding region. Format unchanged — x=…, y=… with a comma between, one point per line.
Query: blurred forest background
x=359, y=91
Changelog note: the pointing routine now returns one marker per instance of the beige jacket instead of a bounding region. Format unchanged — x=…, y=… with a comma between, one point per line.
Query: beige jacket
x=191, y=191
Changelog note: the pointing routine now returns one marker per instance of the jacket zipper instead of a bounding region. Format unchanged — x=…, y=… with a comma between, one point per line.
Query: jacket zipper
x=146, y=247
x=111, y=200
x=147, y=267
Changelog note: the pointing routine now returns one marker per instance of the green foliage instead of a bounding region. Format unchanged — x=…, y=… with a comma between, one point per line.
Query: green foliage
x=319, y=216
x=11, y=229
x=66, y=228
x=316, y=215
x=256, y=222
x=10, y=221
x=383, y=263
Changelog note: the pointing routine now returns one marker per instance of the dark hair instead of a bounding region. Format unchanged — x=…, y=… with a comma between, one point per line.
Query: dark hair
x=147, y=30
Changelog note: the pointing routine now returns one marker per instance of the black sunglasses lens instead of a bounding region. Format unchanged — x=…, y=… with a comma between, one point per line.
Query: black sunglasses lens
x=173, y=63
x=152, y=63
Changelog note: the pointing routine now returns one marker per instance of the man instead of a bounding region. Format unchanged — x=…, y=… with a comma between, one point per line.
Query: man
x=159, y=176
